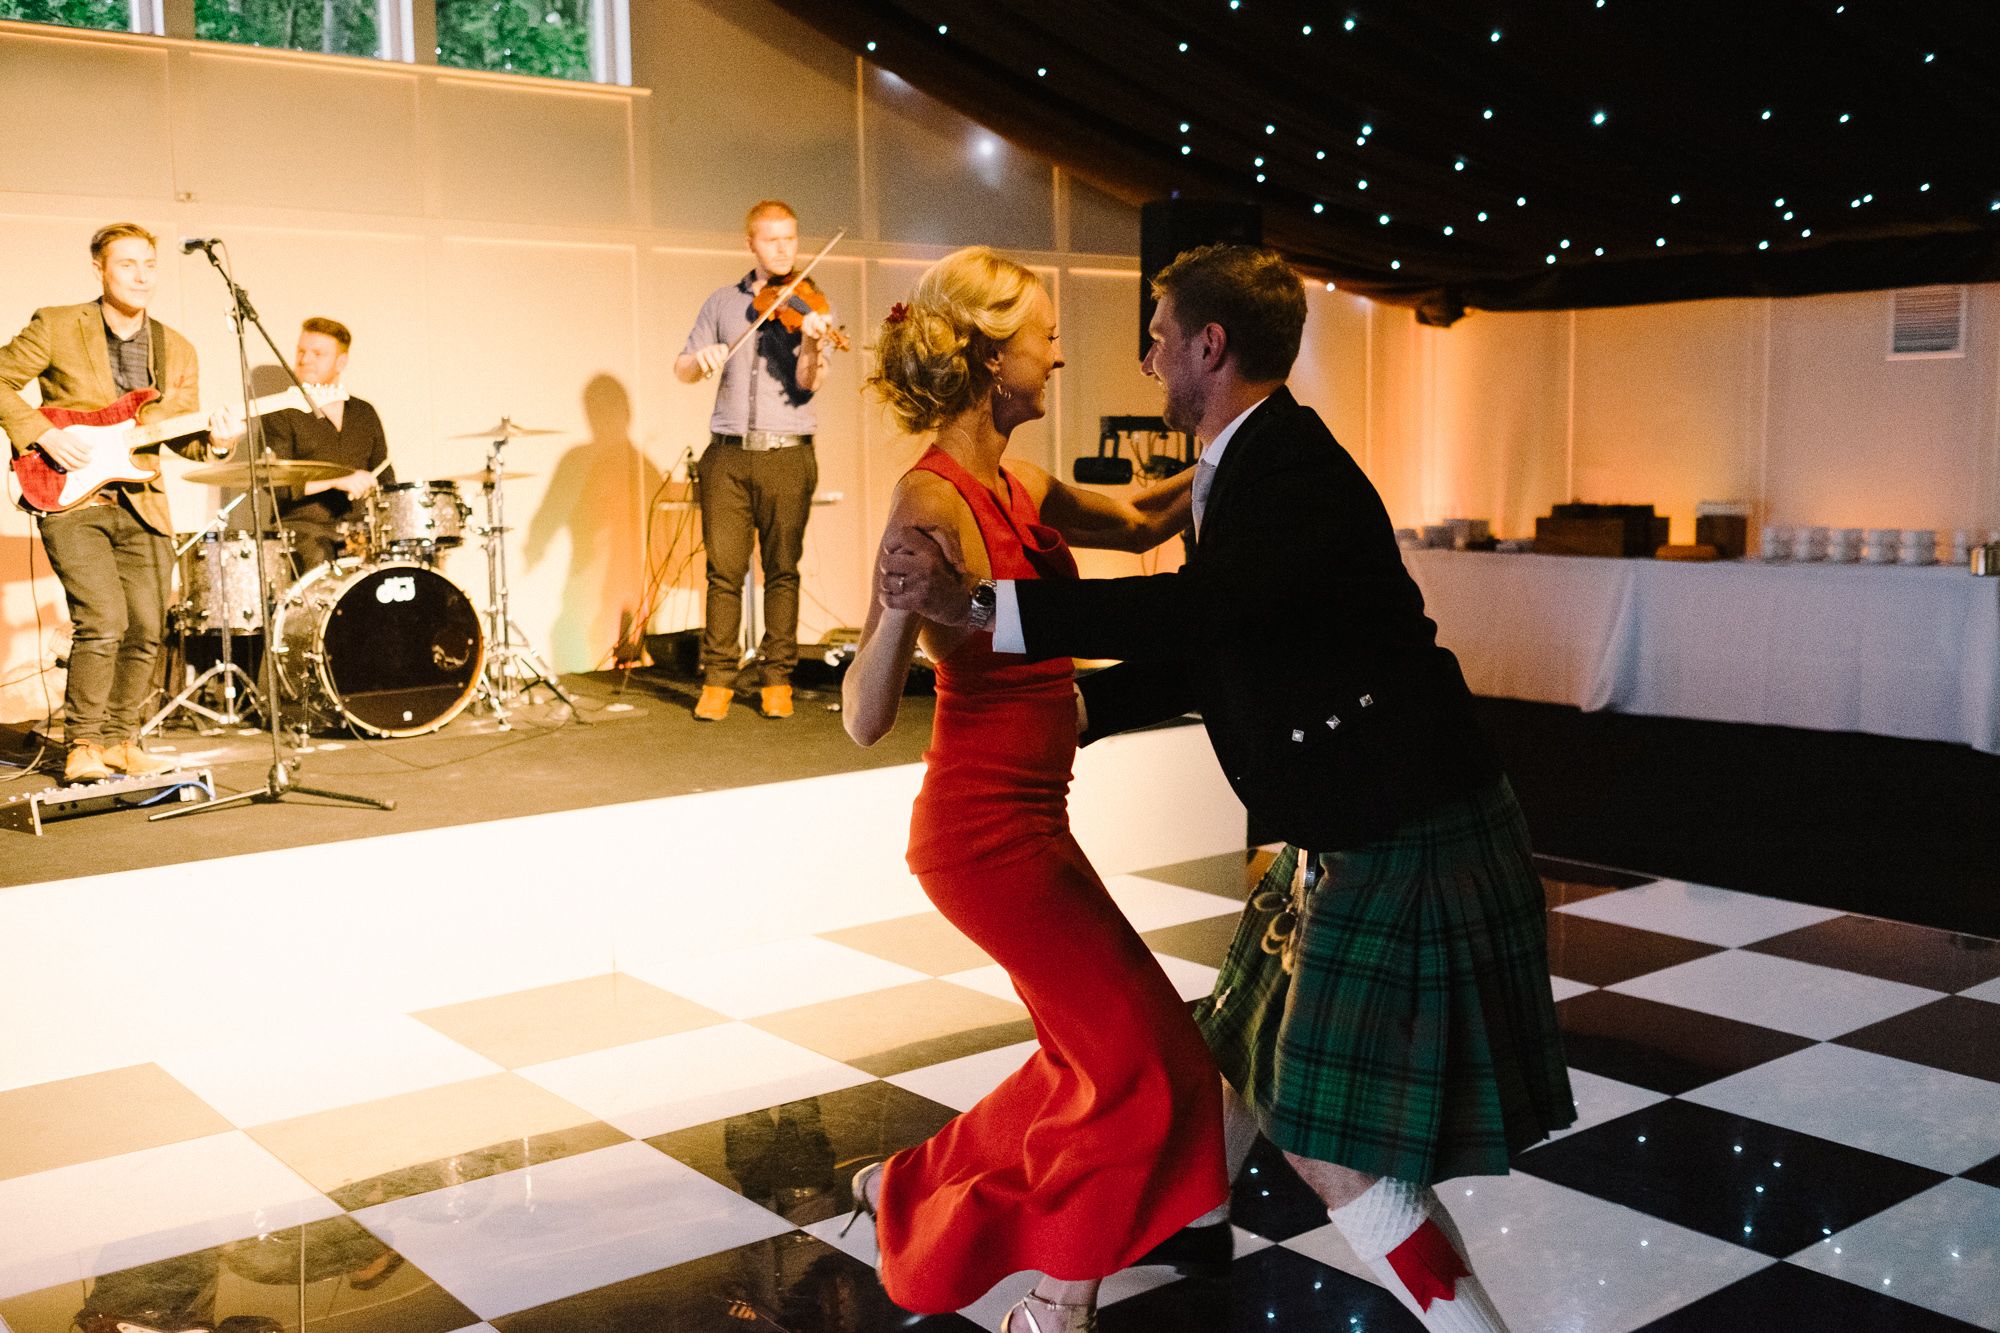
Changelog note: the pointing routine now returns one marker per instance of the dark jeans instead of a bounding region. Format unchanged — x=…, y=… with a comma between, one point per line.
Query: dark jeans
x=114, y=571
x=765, y=495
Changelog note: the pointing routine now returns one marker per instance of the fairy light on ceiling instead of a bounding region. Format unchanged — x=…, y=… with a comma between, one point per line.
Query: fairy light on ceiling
x=1512, y=158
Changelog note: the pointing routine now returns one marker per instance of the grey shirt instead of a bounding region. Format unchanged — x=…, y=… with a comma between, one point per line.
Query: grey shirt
x=759, y=388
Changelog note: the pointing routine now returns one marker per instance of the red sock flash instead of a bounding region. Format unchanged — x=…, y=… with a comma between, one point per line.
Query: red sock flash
x=1428, y=1266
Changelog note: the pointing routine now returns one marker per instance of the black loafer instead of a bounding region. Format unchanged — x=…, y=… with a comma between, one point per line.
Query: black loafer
x=1194, y=1251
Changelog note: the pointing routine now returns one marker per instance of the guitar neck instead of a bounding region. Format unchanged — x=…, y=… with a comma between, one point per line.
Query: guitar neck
x=194, y=423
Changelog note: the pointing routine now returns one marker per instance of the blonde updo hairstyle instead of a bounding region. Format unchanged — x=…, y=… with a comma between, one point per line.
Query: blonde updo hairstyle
x=931, y=360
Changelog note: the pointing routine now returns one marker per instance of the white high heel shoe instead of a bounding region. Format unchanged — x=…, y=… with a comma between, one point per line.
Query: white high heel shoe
x=1059, y=1318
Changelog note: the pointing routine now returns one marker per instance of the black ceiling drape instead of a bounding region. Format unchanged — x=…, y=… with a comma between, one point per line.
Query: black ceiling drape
x=1517, y=155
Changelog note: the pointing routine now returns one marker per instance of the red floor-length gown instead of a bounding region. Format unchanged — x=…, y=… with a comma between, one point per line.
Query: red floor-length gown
x=1110, y=1137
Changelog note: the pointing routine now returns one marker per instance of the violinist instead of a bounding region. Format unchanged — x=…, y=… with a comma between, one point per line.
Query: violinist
x=756, y=479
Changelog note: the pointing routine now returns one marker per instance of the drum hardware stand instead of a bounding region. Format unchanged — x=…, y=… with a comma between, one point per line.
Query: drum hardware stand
x=280, y=779
x=512, y=666
x=226, y=671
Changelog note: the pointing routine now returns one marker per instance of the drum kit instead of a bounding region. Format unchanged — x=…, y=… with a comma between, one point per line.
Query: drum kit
x=379, y=641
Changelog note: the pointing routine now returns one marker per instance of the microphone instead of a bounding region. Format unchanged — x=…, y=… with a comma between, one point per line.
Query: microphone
x=190, y=244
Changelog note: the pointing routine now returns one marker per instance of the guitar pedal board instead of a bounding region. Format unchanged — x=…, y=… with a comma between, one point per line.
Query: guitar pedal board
x=28, y=811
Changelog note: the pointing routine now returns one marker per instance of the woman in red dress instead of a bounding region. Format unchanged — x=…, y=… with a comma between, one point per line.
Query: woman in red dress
x=1109, y=1138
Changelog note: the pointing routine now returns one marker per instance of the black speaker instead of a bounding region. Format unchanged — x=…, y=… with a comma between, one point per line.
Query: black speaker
x=1168, y=227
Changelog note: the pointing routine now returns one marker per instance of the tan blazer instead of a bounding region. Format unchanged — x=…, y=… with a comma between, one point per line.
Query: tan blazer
x=63, y=348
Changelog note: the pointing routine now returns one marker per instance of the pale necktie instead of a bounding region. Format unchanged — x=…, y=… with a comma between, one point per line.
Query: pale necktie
x=1204, y=477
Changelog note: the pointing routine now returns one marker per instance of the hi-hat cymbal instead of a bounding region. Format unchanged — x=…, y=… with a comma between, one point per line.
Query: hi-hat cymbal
x=508, y=429
x=487, y=476
x=278, y=471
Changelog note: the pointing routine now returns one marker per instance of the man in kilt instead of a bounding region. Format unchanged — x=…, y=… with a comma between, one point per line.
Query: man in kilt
x=1384, y=1014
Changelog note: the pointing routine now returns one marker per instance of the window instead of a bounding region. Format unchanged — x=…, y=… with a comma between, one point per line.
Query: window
x=337, y=27
x=559, y=39
x=119, y=15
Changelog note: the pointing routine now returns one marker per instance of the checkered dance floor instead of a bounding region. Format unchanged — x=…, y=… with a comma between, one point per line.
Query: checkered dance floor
x=1790, y=1120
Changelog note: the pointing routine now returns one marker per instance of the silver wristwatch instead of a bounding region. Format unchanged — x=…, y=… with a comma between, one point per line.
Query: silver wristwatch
x=985, y=600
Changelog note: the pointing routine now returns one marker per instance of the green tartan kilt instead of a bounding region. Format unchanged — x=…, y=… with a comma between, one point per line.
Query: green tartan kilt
x=1414, y=1034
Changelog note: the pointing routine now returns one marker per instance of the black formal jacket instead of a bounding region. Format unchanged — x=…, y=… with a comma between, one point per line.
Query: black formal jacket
x=1296, y=632
x=360, y=445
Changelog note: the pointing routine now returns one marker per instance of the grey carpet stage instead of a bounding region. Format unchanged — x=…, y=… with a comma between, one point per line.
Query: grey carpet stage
x=634, y=740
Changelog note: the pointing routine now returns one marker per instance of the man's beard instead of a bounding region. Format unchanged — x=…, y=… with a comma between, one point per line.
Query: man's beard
x=1181, y=411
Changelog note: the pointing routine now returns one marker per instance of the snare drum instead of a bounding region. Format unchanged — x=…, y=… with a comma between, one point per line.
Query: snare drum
x=391, y=649
x=414, y=520
x=218, y=580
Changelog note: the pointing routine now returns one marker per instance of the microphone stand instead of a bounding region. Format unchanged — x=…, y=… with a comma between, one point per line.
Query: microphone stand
x=281, y=778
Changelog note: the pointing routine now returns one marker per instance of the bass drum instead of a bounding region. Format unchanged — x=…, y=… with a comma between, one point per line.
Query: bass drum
x=391, y=649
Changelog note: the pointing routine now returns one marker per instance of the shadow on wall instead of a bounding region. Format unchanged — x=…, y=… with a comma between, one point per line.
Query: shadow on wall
x=591, y=499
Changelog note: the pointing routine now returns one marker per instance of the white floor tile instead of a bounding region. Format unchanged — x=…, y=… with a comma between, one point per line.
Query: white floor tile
x=1907, y=1111
x=1562, y=988
x=1782, y=993
x=961, y=1082
x=1191, y=980
x=1560, y=1261
x=988, y=980
x=1599, y=1099
x=766, y=978
x=691, y=1078
x=1940, y=1250
x=83, y=1221
x=1150, y=905
x=1698, y=912
x=524, y=1238
x=279, y=1074
x=1986, y=990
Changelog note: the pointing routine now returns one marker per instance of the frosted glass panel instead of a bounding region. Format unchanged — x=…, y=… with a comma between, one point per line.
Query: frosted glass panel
x=84, y=91
x=941, y=179
x=1100, y=224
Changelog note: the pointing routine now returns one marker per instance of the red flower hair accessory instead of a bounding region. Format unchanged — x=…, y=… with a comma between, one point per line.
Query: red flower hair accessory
x=898, y=313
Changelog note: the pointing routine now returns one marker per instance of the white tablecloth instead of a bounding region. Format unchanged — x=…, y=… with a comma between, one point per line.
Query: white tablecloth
x=1896, y=651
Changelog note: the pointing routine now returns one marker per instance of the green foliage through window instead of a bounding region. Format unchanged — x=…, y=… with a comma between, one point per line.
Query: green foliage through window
x=337, y=27
x=547, y=37
x=113, y=14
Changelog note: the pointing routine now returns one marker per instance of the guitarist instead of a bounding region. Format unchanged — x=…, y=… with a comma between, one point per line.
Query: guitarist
x=112, y=552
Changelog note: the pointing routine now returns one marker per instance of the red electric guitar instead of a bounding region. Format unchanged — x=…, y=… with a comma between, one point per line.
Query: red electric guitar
x=113, y=434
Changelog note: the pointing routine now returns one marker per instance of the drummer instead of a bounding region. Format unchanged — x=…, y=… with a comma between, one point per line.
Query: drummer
x=350, y=435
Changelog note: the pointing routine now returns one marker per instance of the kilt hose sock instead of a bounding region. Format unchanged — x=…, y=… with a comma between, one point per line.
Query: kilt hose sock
x=1402, y=1232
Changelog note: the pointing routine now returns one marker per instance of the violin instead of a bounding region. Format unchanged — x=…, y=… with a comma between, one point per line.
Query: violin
x=805, y=299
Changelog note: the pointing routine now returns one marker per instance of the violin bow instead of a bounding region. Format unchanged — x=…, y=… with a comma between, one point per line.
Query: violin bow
x=784, y=295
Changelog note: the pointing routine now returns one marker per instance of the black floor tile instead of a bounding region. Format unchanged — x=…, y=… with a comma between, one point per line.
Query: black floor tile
x=1756, y=1185
x=253, y=1285
x=1205, y=941
x=1227, y=875
x=1271, y=1200
x=789, y=1284
x=1785, y=1298
x=1986, y=1173
x=512, y=1155
x=1586, y=874
x=1953, y=1033
x=1662, y=1046
x=1915, y=955
x=1271, y=1290
x=936, y=1050
x=1603, y=953
x=798, y=1159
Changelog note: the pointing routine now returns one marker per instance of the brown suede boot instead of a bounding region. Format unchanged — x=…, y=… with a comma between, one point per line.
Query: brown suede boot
x=129, y=758
x=85, y=763
x=713, y=705
x=776, y=701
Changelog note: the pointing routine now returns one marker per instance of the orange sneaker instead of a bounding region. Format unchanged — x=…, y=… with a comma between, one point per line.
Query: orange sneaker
x=775, y=701
x=713, y=705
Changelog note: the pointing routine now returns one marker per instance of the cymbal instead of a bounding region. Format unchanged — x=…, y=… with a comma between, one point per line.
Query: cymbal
x=482, y=476
x=278, y=471
x=507, y=429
